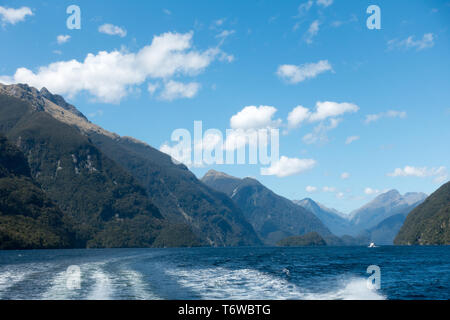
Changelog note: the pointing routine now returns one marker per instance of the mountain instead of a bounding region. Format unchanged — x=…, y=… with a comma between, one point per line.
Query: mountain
x=384, y=233
x=337, y=222
x=104, y=202
x=28, y=218
x=272, y=216
x=384, y=206
x=309, y=239
x=99, y=177
x=429, y=223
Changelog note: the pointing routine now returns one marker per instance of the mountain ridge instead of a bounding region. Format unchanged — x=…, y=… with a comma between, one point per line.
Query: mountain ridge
x=173, y=188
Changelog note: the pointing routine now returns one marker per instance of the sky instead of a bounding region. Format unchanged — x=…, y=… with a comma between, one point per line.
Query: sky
x=359, y=110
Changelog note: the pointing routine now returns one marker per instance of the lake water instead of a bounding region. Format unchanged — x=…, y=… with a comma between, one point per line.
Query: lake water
x=226, y=273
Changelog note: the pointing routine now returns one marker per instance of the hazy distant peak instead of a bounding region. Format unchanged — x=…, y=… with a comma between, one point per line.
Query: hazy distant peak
x=218, y=174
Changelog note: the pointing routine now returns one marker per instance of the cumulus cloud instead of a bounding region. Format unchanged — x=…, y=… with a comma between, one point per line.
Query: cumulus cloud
x=295, y=74
x=370, y=191
x=345, y=175
x=439, y=174
x=252, y=117
x=176, y=90
x=285, y=167
x=312, y=31
x=62, y=38
x=323, y=110
x=311, y=189
x=427, y=41
x=13, y=16
x=325, y=113
x=332, y=109
x=298, y=115
x=351, y=139
x=389, y=114
x=112, y=30
x=110, y=76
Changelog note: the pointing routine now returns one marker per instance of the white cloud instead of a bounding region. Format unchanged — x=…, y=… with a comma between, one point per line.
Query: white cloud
x=427, y=41
x=285, y=167
x=332, y=109
x=389, y=114
x=252, y=117
x=176, y=90
x=328, y=189
x=62, y=38
x=304, y=7
x=152, y=87
x=225, y=33
x=167, y=11
x=295, y=74
x=112, y=30
x=313, y=30
x=351, y=139
x=325, y=3
x=311, y=189
x=12, y=16
x=370, y=191
x=327, y=110
x=345, y=175
x=323, y=111
x=340, y=195
x=440, y=174
x=110, y=76
x=298, y=115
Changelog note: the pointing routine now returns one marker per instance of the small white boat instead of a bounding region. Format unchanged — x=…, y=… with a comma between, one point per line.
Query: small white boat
x=372, y=245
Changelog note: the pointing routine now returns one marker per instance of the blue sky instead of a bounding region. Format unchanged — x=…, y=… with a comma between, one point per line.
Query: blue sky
x=386, y=124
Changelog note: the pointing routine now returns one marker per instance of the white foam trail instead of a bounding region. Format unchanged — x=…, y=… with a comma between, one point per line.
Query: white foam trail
x=102, y=289
x=9, y=279
x=137, y=284
x=221, y=283
x=58, y=288
x=352, y=289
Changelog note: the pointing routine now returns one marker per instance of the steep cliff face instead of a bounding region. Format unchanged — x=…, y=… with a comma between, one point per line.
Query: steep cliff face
x=104, y=203
x=429, y=223
x=28, y=219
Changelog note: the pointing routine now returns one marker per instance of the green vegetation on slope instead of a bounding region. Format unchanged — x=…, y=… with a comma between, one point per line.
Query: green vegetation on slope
x=28, y=219
x=309, y=239
x=273, y=217
x=101, y=201
x=429, y=223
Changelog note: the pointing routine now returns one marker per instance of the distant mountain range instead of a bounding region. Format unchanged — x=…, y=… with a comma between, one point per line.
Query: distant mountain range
x=272, y=216
x=378, y=221
x=337, y=222
x=384, y=206
x=68, y=183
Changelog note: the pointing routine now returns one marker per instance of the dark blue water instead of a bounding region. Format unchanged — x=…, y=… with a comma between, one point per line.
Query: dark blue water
x=226, y=273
